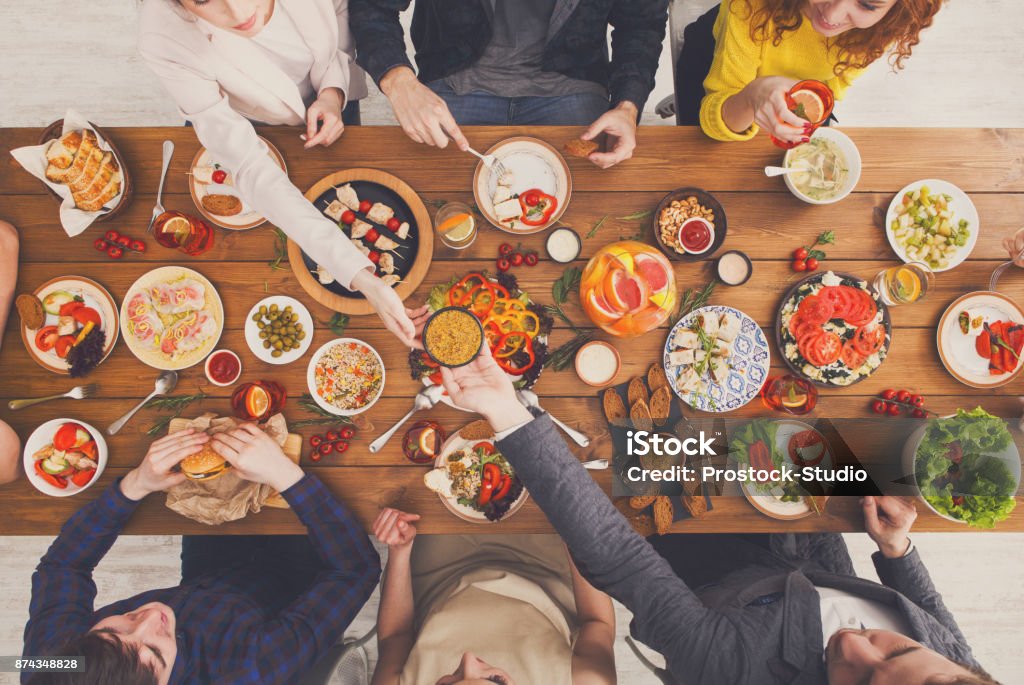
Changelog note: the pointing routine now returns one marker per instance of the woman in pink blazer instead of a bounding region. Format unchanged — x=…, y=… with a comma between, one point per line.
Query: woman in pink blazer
x=231, y=63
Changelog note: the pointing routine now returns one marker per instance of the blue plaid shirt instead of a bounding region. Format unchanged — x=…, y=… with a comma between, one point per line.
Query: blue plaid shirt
x=225, y=632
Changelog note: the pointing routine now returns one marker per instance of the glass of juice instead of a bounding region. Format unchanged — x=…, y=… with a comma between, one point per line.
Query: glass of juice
x=179, y=231
x=628, y=288
x=789, y=394
x=904, y=284
x=456, y=225
x=810, y=100
x=258, y=401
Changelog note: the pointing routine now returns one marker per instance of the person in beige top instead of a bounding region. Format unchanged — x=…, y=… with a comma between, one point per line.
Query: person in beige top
x=473, y=610
x=10, y=445
x=228, y=64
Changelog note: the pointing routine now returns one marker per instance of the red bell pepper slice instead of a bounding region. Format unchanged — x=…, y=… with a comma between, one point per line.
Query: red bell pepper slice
x=55, y=481
x=487, y=447
x=539, y=213
x=483, y=498
x=82, y=478
x=507, y=365
x=503, y=487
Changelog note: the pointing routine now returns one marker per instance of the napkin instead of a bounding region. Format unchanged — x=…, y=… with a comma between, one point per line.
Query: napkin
x=227, y=498
x=33, y=160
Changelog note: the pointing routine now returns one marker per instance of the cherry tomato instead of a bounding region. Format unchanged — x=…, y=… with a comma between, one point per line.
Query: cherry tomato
x=516, y=259
x=800, y=253
x=903, y=396
x=63, y=344
x=101, y=244
x=916, y=400
x=530, y=259
x=219, y=176
x=115, y=252
x=124, y=241
x=799, y=265
x=893, y=409
x=393, y=224
x=372, y=235
x=340, y=446
x=812, y=264
x=531, y=199
x=503, y=264
x=348, y=217
x=332, y=435
x=889, y=394
x=374, y=256
x=315, y=456
x=878, y=406
x=325, y=447
x=315, y=441
x=365, y=206
x=111, y=236
x=346, y=433
x=46, y=338
x=506, y=250
x=138, y=246
x=919, y=414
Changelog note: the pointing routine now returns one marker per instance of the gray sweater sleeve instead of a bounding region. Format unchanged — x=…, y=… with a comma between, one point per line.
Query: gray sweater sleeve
x=696, y=641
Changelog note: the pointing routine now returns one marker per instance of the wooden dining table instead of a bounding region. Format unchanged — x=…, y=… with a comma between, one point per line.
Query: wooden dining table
x=764, y=220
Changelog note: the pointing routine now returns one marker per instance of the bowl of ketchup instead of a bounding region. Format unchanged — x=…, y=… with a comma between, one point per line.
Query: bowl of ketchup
x=223, y=368
x=698, y=237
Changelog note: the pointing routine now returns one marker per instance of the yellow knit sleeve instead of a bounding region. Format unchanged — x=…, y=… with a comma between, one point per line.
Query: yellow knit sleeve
x=840, y=83
x=735, y=64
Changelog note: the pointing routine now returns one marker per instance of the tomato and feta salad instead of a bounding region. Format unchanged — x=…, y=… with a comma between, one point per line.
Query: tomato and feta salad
x=833, y=330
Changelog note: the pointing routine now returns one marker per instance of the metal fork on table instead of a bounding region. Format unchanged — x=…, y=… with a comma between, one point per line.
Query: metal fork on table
x=158, y=208
x=490, y=161
x=994, y=279
x=77, y=393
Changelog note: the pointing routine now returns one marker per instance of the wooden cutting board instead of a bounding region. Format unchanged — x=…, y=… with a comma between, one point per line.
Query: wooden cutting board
x=292, y=449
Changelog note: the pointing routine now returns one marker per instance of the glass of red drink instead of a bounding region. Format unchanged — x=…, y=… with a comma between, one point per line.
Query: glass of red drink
x=810, y=100
x=258, y=401
x=178, y=230
x=789, y=394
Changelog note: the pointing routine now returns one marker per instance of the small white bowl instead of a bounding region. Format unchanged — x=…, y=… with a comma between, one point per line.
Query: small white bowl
x=206, y=367
x=711, y=241
x=44, y=435
x=582, y=374
x=853, y=161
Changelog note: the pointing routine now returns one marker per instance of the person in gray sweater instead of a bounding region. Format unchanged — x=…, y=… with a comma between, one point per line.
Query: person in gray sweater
x=737, y=609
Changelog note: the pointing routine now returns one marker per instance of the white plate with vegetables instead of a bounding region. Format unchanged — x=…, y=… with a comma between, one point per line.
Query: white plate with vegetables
x=933, y=222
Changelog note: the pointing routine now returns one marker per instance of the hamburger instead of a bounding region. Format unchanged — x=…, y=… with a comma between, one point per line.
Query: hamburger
x=205, y=464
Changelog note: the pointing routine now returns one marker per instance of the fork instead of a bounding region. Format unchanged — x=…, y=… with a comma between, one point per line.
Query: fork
x=994, y=279
x=158, y=208
x=77, y=393
x=490, y=161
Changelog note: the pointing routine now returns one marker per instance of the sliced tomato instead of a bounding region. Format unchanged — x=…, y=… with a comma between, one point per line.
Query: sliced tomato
x=799, y=328
x=863, y=310
x=435, y=377
x=46, y=338
x=84, y=315
x=851, y=356
x=89, y=449
x=63, y=345
x=503, y=487
x=821, y=349
x=869, y=339
x=837, y=297
x=983, y=345
x=815, y=309
x=66, y=436
x=760, y=458
x=807, y=448
x=487, y=447
x=69, y=308
x=82, y=478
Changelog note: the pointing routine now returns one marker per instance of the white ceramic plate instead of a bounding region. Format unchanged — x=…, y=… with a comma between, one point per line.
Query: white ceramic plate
x=534, y=164
x=252, y=331
x=853, y=164
x=247, y=218
x=957, y=350
x=453, y=444
x=311, y=377
x=772, y=506
x=94, y=295
x=42, y=436
x=962, y=208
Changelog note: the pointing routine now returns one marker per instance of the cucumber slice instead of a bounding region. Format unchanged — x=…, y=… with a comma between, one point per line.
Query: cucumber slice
x=55, y=300
x=52, y=468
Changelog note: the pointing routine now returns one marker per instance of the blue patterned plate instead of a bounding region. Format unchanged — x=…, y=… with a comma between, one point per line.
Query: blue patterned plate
x=748, y=365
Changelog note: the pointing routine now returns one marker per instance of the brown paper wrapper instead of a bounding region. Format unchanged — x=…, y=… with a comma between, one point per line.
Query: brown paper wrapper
x=227, y=498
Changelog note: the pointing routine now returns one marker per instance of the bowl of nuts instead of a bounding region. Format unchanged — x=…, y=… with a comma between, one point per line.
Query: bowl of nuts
x=689, y=224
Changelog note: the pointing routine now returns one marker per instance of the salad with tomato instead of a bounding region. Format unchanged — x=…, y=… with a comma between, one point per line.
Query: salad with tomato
x=478, y=478
x=833, y=330
x=515, y=328
x=72, y=332
x=766, y=445
x=69, y=459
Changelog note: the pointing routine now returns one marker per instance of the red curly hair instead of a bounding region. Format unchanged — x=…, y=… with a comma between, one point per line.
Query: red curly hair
x=897, y=33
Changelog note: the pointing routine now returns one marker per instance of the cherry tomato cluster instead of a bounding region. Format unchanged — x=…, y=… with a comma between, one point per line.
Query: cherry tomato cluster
x=331, y=441
x=896, y=402
x=807, y=258
x=115, y=244
x=509, y=256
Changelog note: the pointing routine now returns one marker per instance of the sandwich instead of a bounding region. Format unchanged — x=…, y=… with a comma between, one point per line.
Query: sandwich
x=205, y=464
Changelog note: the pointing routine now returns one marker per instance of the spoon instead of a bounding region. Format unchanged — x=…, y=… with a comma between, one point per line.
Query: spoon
x=528, y=398
x=165, y=383
x=595, y=464
x=771, y=171
x=425, y=399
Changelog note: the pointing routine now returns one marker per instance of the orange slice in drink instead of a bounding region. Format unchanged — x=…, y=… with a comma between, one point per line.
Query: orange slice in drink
x=625, y=293
x=257, y=401
x=808, y=105
x=428, y=438
x=179, y=227
x=598, y=309
x=908, y=285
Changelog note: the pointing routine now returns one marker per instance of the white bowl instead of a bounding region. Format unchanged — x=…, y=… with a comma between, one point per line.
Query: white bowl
x=311, y=378
x=848, y=148
x=43, y=435
x=963, y=208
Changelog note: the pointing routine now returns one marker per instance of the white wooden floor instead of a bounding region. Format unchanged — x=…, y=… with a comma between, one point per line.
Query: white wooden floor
x=968, y=71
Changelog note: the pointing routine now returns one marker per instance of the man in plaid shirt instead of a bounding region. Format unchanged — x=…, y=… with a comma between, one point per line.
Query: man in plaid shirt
x=248, y=610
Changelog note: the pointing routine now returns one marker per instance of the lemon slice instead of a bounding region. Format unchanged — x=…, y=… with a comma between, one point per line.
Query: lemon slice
x=458, y=228
x=660, y=298
x=257, y=401
x=813, y=107
x=179, y=226
x=794, y=400
x=428, y=440
x=908, y=285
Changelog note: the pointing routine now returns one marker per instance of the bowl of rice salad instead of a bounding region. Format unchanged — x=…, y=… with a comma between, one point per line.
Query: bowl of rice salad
x=345, y=376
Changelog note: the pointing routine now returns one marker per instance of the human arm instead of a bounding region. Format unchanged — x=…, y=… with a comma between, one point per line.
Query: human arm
x=395, y=614
x=593, y=653
x=1014, y=246
x=638, y=33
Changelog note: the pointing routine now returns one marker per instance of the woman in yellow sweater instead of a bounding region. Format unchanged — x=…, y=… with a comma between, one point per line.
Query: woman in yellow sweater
x=739, y=59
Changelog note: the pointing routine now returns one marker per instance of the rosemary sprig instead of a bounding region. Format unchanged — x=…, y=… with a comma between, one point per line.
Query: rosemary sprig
x=319, y=421
x=597, y=226
x=636, y=216
x=172, y=403
x=160, y=425
x=280, y=250
x=309, y=404
x=562, y=357
x=694, y=299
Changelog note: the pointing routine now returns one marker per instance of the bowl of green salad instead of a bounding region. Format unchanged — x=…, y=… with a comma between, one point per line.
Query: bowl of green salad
x=966, y=467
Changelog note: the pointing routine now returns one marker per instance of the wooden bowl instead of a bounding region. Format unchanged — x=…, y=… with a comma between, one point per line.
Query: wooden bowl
x=706, y=199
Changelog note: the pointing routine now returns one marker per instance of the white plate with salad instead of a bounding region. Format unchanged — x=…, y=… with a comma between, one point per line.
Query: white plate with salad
x=934, y=222
x=765, y=445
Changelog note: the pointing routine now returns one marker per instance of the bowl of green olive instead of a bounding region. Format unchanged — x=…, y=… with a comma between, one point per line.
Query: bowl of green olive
x=279, y=329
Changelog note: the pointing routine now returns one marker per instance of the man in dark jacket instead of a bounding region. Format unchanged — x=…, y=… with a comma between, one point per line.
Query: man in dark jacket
x=757, y=610
x=521, y=62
